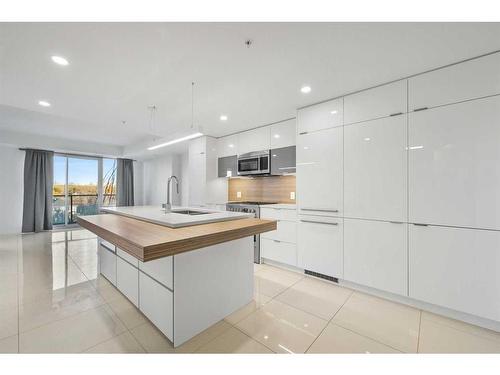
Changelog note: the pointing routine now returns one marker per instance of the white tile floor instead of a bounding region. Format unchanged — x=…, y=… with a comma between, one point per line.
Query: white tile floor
x=52, y=300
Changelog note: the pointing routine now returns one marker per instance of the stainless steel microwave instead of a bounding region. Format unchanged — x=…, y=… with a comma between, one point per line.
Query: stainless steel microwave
x=254, y=163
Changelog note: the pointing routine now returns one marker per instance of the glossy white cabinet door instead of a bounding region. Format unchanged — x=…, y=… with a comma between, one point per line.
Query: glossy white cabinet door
x=320, y=116
x=197, y=172
x=375, y=165
x=157, y=303
x=161, y=269
x=283, y=134
x=254, y=140
x=468, y=80
x=456, y=268
x=320, y=245
x=375, y=254
x=107, y=264
x=278, y=251
x=320, y=172
x=454, y=159
x=227, y=146
x=127, y=280
x=286, y=231
x=382, y=101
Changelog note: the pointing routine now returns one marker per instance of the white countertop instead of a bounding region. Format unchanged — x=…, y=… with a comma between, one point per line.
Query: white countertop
x=286, y=206
x=157, y=215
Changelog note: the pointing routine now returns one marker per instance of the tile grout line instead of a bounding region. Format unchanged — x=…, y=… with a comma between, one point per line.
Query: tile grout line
x=419, y=330
x=329, y=321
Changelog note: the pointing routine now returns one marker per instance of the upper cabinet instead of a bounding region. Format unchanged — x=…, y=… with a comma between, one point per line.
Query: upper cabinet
x=254, y=140
x=321, y=116
x=283, y=134
x=454, y=158
x=468, y=80
x=227, y=146
x=375, y=169
x=382, y=101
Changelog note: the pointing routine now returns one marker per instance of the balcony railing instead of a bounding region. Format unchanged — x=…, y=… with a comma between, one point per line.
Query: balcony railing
x=78, y=205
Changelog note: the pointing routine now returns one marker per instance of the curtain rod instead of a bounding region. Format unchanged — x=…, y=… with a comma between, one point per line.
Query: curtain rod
x=70, y=154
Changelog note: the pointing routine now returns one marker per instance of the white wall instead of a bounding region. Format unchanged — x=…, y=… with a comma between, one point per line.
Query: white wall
x=155, y=175
x=11, y=189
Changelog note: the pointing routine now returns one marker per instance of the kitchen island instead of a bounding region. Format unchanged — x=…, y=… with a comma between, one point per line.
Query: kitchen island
x=186, y=278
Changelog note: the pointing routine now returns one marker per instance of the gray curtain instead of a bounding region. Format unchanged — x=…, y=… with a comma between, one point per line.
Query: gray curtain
x=38, y=181
x=125, y=182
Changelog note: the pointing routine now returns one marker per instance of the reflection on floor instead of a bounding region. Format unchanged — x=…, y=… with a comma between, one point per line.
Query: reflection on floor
x=52, y=300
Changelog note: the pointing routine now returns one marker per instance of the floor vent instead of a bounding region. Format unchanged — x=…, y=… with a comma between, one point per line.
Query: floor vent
x=321, y=276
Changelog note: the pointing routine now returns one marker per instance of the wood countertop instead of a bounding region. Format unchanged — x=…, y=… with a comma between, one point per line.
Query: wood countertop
x=148, y=241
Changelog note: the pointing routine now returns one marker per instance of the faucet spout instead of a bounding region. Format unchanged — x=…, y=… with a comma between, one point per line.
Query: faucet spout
x=168, y=205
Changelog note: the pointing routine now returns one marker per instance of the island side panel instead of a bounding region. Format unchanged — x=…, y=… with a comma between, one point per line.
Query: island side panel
x=209, y=284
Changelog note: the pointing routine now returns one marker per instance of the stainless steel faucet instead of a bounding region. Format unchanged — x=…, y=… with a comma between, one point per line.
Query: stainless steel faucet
x=168, y=205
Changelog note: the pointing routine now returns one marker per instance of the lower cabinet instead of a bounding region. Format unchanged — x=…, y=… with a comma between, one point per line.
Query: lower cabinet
x=320, y=245
x=127, y=280
x=456, y=268
x=375, y=254
x=107, y=264
x=160, y=269
x=157, y=303
x=279, y=251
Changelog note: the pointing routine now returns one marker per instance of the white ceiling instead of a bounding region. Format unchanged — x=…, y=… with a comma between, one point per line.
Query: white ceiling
x=117, y=69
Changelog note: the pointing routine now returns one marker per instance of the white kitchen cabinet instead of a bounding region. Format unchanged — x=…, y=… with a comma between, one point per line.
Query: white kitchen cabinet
x=160, y=269
x=197, y=172
x=375, y=169
x=127, y=280
x=289, y=214
x=227, y=146
x=254, y=140
x=286, y=231
x=279, y=251
x=320, y=116
x=107, y=264
x=126, y=256
x=454, y=158
x=283, y=134
x=464, y=81
x=319, y=247
x=320, y=172
x=382, y=101
x=456, y=268
x=157, y=304
x=375, y=254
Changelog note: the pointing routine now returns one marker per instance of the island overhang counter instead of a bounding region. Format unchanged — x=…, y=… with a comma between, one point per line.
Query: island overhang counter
x=182, y=279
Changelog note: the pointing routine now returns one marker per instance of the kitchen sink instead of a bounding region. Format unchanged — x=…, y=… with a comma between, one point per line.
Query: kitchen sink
x=190, y=212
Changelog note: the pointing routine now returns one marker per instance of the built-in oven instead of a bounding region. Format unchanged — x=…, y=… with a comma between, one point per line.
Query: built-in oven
x=254, y=163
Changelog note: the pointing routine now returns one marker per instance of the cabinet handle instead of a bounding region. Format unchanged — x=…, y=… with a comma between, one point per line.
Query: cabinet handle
x=318, y=222
x=396, y=222
x=420, y=109
x=319, y=209
x=421, y=225
x=302, y=133
x=396, y=114
x=277, y=241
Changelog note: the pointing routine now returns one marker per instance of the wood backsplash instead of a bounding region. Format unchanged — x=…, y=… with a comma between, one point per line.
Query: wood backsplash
x=262, y=189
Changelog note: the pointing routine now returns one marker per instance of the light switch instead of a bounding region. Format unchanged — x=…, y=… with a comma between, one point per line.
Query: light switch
x=238, y=194
x=292, y=195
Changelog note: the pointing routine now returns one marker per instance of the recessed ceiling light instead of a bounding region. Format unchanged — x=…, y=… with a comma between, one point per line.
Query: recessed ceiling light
x=60, y=60
x=276, y=136
x=333, y=112
x=231, y=145
x=44, y=103
x=223, y=117
x=305, y=89
x=366, y=139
